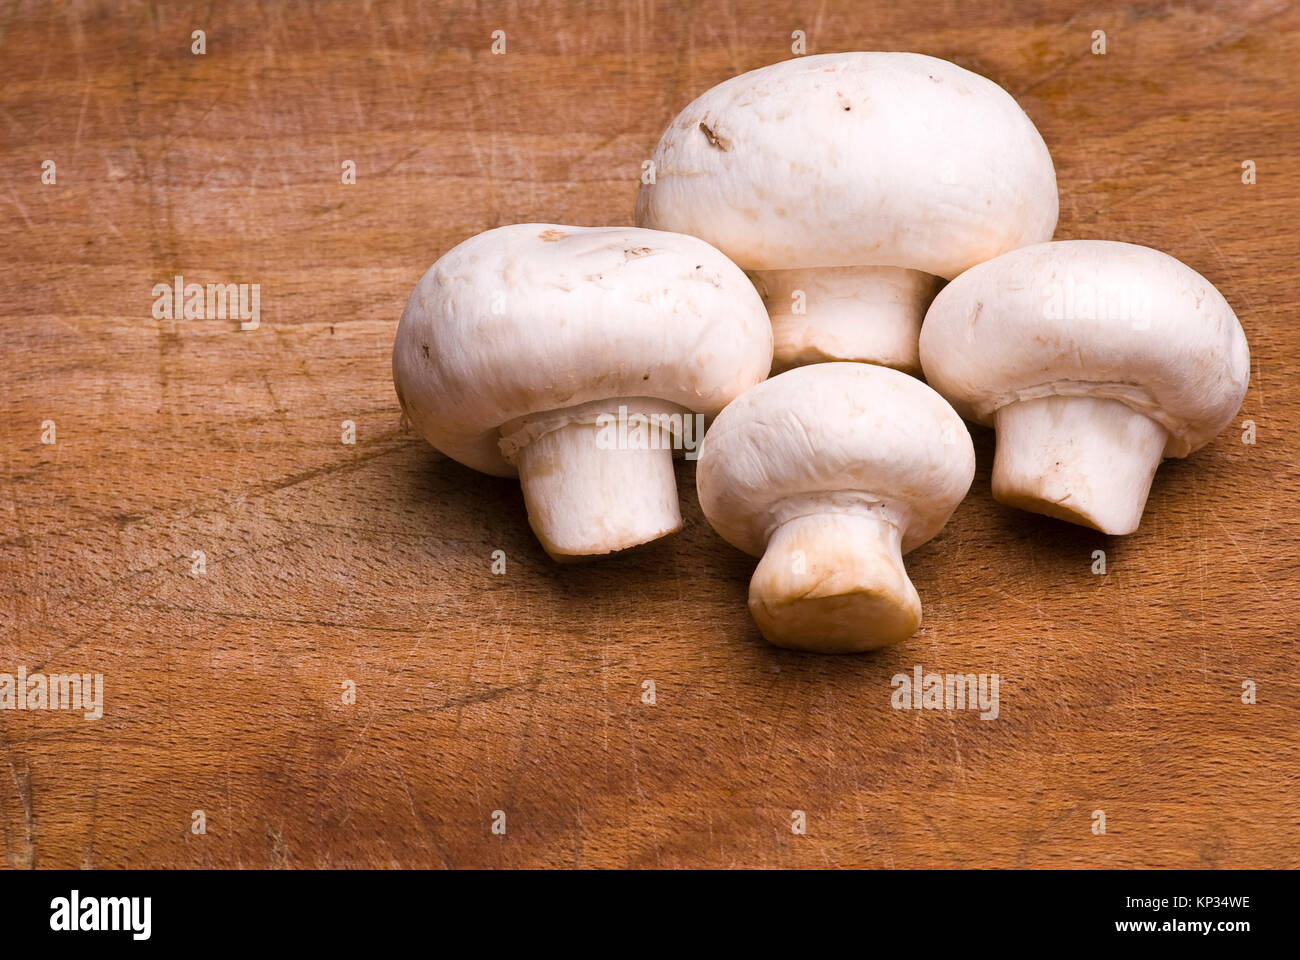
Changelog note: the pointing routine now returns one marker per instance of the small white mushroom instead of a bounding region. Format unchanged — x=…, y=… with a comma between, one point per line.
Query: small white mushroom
x=1093, y=360
x=848, y=183
x=575, y=357
x=831, y=473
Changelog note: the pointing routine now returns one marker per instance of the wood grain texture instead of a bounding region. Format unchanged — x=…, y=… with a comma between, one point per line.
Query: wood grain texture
x=371, y=562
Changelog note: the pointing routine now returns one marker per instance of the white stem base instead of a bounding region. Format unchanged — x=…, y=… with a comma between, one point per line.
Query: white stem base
x=1080, y=459
x=868, y=314
x=834, y=583
x=585, y=501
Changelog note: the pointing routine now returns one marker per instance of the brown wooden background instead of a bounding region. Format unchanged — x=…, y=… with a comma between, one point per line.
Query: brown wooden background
x=371, y=562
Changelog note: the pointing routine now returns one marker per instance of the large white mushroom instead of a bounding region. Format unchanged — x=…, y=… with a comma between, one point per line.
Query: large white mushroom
x=848, y=184
x=1093, y=360
x=831, y=473
x=575, y=358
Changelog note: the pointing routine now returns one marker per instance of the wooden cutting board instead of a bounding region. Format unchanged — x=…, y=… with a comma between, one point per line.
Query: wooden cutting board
x=329, y=566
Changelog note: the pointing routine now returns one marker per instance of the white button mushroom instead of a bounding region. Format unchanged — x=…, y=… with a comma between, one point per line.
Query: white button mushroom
x=848, y=183
x=574, y=357
x=831, y=473
x=1093, y=360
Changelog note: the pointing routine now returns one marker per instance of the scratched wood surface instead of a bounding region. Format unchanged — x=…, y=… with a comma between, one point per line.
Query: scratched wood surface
x=371, y=562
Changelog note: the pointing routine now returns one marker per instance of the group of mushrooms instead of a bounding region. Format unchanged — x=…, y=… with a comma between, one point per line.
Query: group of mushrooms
x=802, y=220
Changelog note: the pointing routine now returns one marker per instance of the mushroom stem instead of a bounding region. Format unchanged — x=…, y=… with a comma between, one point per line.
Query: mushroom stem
x=586, y=498
x=834, y=583
x=867, y=314
x=1081, y=459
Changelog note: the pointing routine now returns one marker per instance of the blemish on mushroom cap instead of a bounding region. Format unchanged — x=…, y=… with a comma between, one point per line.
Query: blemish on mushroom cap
x=722, y=143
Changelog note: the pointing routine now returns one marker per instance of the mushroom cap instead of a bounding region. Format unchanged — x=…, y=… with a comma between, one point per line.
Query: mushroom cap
x=1093, y=318
x=854, y=159
x=535, y=317
x=849, y=431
